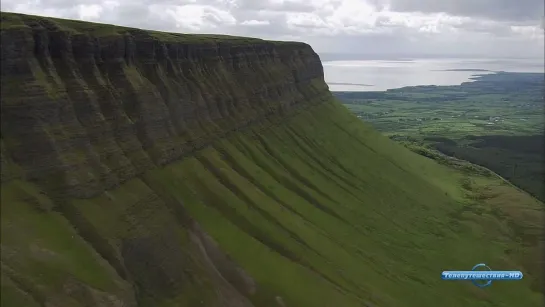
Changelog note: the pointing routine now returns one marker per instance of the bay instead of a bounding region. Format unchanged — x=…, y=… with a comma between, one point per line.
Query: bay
x=380, y=75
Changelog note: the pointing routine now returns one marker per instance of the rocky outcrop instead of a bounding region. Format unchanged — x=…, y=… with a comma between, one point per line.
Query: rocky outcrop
x=102, y=104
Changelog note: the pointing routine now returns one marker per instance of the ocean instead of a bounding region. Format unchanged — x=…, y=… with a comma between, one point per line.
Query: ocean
x=380, y=75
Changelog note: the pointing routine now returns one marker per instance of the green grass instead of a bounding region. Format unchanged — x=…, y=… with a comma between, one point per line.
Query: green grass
x=396, y=228
x=496, y=121
x=321, y=210
x=515, y=98
x=42, y=249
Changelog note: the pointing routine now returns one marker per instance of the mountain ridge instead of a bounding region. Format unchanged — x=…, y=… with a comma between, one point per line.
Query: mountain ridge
x=74, y=68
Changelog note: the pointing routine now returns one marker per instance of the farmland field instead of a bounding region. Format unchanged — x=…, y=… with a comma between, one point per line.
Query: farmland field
x=496, y=121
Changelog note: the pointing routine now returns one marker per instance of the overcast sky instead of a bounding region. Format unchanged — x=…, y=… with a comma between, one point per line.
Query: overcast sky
x=494, y=28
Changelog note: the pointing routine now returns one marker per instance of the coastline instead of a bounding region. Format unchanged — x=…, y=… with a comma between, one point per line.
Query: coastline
x=382, y=75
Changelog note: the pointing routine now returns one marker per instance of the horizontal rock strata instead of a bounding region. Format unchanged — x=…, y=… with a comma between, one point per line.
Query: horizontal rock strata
x=102, y=104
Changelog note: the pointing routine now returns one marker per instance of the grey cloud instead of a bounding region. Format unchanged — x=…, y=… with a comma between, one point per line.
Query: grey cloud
x=506, y=10
x=497, y=29
x=125, y=16
x=277, y=25
x=269, y=5
x=383, y=36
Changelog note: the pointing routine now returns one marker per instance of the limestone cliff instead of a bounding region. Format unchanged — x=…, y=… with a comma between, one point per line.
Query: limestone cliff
x=103, y=104
x=87, y=107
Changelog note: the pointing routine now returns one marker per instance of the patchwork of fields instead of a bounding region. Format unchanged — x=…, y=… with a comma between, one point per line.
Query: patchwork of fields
x=496, y=121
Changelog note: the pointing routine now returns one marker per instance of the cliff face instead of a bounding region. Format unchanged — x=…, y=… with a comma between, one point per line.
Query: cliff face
x=86, y=110
x=101, y=106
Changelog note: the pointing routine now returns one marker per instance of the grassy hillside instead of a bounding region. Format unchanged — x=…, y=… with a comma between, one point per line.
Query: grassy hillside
x=320, y=210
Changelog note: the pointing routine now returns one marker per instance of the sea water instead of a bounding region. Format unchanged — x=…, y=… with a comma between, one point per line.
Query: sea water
x=379, y=75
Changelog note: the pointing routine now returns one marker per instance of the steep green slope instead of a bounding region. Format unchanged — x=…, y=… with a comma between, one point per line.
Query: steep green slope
x=298, y=203
x=332, y=196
